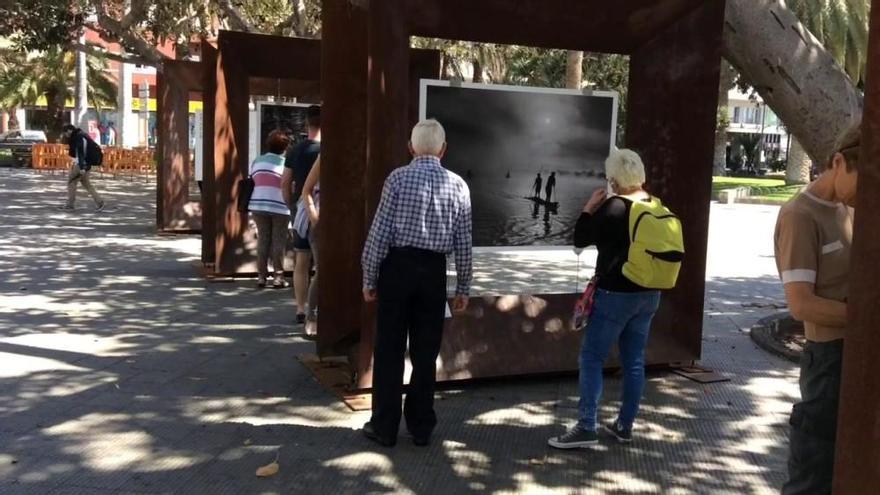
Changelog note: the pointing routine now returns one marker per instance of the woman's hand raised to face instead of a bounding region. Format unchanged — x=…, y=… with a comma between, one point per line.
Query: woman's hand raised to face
x=596, y=200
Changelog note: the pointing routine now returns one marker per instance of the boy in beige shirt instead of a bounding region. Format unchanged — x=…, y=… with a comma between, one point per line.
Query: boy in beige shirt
x=812, y=244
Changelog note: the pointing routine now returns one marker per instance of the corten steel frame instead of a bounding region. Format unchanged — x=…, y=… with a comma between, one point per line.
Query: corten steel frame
x=675, y=49
x=857, y=468
x=241, y=64
x=245, y=64
x=175, y=211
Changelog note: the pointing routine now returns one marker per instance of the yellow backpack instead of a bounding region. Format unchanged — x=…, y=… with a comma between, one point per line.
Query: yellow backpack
x=656, y=245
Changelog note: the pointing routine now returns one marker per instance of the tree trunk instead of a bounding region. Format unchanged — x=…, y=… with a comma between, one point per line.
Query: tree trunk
x=55, y=109
x=478, y=70
x=720, y=160
x=792, y=72
x=574, y=69
x=797, y=169
x=82, y=95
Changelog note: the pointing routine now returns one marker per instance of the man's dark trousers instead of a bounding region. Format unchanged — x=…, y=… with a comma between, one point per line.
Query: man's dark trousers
x=814, y=420
x=412, y=301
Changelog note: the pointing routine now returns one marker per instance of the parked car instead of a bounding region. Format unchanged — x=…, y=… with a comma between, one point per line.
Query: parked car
x=20, y=144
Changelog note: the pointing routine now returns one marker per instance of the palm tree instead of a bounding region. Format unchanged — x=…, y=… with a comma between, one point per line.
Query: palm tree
x=27, y=77
x=842, y=27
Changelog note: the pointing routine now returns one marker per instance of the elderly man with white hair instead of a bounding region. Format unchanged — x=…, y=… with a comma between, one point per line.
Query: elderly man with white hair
x=424, y=214
x=627, y=295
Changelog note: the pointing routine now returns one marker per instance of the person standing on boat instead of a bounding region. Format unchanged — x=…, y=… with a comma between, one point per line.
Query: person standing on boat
x=551, y=185
x=538, y=182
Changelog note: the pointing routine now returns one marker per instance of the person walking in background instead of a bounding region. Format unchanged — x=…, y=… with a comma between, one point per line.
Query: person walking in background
x=627, y=295
x=111, y=134
x=424, y=214
x=311, y=200
x=269, y=210
x=297, y=166
x=539, y=181
x=550, y=187
x=812, y=245
x=84, y=153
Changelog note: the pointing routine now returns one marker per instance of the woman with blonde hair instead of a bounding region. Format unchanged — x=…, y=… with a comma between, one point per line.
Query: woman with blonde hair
x=622, y=309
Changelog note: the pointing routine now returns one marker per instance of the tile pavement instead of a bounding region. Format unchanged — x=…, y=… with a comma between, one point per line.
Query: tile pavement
x=122, y=372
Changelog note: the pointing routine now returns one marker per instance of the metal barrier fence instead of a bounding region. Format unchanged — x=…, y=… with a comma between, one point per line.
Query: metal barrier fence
x=118, y=162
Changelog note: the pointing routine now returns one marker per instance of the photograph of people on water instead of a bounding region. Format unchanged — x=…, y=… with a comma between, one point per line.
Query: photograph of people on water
x=531, y=156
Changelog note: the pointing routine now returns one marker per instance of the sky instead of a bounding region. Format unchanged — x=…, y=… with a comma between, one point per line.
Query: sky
x=493, y=131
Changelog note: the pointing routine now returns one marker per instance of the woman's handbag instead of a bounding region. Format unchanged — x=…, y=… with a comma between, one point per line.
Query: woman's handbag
x=245, y=191
x=583, y=308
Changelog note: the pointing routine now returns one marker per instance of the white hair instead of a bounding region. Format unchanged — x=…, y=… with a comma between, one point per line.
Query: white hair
x=626, y=168
x=428, y=137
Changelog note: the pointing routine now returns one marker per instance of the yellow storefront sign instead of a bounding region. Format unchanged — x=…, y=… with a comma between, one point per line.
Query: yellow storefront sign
x=194, y=106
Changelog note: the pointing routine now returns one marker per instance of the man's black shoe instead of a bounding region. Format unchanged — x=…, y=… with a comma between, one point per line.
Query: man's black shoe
x=421, y=441
x=370, y=433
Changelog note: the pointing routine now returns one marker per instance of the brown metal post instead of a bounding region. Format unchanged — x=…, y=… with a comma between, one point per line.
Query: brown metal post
x=857, y=466
x=209, y=90
x=599, y=26
x=343, y=165
x=163, y=127
x=230, y=157
x=387, y=128
x=174, y=169
x=679, y=69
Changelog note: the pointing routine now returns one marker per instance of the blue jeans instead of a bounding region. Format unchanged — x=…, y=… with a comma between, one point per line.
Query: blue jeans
x=624, y=317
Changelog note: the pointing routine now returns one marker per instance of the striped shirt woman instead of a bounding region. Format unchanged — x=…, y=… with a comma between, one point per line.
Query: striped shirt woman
x=266, y=172
x=269, y=210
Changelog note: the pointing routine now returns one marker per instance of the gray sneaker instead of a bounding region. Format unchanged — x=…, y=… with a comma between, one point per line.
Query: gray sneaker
x=623, y=435
x=575, y=438
x=100, y=207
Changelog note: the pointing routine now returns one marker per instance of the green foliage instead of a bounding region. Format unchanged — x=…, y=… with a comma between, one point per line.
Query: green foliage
x=27, y=77
x=38, y=24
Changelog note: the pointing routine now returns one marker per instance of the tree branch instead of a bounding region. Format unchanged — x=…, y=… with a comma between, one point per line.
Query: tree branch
x=113, y=30
x=136, y=14
x=99, y=51
x=238, y=22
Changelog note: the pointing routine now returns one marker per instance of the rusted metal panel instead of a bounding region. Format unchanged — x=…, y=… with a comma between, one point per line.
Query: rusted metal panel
x=238, y=74
x=247, y=64
x=676, y=48
x=857, y=467
x=388, y=116
x=230, y=155
x=524, y=335
x=209, y=90
x=275, y=57
x=174, y=210
x=343, y=166
x=679, y=69
x=613, y=27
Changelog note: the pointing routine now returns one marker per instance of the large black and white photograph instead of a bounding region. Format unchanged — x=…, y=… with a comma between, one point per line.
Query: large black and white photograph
x=531, y=156
x=288, y=117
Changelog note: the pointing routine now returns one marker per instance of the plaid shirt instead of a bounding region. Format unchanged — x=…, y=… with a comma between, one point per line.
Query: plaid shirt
x=423, y=206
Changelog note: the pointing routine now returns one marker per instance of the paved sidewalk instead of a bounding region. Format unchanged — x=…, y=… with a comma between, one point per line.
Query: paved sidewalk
x=122, y=372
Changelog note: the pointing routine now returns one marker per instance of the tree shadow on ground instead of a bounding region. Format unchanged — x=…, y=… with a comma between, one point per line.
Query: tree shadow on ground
x=124, y=372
